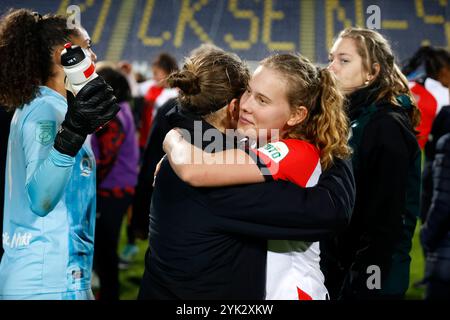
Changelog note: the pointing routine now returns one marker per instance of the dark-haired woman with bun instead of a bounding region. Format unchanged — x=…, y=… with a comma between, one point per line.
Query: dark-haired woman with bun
x=49, y=215
x=211, y=242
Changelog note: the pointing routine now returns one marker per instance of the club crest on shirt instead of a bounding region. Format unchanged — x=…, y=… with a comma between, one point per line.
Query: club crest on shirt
x=45, y=132
x=77, y=274
x=275, y=150
x=86, y=166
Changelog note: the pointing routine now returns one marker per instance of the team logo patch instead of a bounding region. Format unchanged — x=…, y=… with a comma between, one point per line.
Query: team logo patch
x=86, y=166
x=45, y=132
x=276, y=151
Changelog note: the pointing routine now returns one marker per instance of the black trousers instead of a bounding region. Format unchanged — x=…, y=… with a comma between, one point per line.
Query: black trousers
x=110, y=212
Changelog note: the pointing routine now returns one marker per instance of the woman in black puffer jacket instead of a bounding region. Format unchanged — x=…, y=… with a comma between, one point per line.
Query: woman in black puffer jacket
x=435, y=234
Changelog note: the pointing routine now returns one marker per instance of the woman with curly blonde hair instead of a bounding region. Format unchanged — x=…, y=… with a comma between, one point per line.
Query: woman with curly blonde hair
x=298, y=109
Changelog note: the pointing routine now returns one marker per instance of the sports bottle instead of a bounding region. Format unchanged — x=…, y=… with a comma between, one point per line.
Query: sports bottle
x=78, y=67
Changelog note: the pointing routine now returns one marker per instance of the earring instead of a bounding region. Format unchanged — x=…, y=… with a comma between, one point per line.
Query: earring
x=366, y=82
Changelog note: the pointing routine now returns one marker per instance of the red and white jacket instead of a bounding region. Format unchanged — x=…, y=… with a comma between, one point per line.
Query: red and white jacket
x=154, y=97
x=430, y=98
x=293, y=267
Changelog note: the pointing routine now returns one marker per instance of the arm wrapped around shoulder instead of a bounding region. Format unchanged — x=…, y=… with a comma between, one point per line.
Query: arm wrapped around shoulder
x=93, y=107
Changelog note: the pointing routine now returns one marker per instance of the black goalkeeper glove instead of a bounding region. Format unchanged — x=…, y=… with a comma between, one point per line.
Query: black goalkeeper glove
x=93, y=107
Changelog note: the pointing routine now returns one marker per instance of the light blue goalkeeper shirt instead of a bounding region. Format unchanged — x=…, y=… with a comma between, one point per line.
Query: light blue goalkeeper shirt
x=49, y=213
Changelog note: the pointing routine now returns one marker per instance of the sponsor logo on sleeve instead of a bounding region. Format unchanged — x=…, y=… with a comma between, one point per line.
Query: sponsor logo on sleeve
x=276, y=151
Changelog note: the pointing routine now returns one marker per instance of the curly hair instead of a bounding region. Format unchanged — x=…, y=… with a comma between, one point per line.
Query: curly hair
x=374, y=48
x=326, y=124
x=27, y=41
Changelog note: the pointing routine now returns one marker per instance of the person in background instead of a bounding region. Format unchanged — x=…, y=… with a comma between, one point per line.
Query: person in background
x=137, y=227
x=386, y=163
x=431, y=67
x=429, y=73
x=116, y=152
x=137, y=101
x=435, y=233
x=441, y=126
x=127, y=70
x=155, y=93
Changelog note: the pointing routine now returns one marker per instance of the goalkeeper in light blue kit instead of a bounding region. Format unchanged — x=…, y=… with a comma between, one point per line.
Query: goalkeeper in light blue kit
x=49, y=216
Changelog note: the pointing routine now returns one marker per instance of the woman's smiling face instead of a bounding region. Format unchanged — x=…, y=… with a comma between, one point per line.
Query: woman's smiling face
x=264, y=106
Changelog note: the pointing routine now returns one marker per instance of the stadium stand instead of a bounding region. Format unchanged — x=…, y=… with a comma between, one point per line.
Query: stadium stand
x=137, y=30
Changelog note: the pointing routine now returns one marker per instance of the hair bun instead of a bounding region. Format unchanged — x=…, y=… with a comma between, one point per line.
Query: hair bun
x=186, y=81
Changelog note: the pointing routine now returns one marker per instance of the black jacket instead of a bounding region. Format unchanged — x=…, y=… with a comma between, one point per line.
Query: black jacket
x=435, y=233
x=386, y=164
x=441, y=126
x=211, y=243
x=152, y=155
